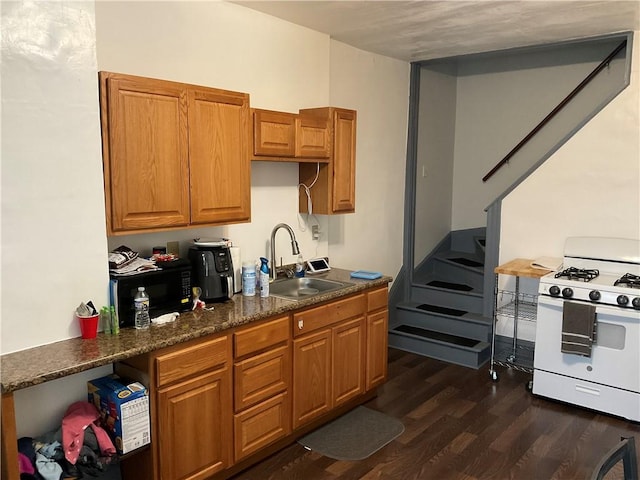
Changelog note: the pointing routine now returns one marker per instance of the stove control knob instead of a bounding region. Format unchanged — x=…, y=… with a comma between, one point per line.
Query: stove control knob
x=554, y=290
x=594, y=295
x=636, y=303
x=567, y=292
x=622, y=300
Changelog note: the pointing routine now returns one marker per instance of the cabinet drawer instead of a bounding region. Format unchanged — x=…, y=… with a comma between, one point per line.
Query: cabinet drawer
x=377, y=299
x=319, y=317
x=261, y=425
x=190, y=360
x=261, y=377
x=261, y=337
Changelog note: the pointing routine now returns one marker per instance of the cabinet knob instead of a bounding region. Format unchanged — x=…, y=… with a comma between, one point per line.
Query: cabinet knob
x=300, y=324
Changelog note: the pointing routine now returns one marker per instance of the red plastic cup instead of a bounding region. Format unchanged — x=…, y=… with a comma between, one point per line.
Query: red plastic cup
x=88, y=325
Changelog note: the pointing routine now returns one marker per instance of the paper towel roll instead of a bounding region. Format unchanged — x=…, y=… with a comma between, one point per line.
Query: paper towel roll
x=236, y=259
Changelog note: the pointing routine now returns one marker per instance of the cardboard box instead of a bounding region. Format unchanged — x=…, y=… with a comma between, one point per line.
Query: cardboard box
x=124, y=411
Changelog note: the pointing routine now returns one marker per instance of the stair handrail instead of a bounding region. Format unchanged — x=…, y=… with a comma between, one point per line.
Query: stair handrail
x=555, y=111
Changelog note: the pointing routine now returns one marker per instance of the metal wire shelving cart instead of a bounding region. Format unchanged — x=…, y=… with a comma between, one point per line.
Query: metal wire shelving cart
x=515, y=353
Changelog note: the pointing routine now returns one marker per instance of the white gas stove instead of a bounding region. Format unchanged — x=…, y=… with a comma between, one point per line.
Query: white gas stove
x=588, y=327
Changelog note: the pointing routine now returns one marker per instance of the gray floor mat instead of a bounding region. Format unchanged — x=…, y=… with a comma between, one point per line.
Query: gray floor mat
x=353, y=436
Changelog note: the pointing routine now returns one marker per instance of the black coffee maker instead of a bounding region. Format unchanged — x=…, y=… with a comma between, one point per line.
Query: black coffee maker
x=212, y=270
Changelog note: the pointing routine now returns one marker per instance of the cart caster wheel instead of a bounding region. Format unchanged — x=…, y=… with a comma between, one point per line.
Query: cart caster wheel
x=529, y=386
x=494, y=375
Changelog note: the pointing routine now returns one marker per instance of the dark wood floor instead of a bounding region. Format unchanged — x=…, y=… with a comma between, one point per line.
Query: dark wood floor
x=461, y=425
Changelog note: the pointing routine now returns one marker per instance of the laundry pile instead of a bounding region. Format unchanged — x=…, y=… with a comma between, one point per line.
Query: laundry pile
x=80, y=448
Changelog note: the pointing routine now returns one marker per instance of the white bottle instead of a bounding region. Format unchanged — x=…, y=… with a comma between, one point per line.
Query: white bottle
x=248, y=279
x=141, y=305
x=264, y=277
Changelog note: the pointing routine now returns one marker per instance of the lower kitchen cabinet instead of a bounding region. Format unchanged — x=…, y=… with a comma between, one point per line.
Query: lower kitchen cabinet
x=348, y=360
x=311, y=376
x=262, y=375
x=262, y=424
x=194, y=427
x=191, y=411
x=377, y=337
x=328, y=362
x=222, y=402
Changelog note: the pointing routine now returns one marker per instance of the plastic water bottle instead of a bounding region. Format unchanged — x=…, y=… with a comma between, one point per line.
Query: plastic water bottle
x=141, y=304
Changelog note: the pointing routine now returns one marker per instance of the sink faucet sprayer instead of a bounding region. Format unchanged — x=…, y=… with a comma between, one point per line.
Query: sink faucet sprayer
x=294, y=246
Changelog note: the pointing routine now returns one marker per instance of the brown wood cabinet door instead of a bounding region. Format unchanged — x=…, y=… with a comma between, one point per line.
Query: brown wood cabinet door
x=312, y=137
x=261, y=425
x=348, y=360
x=377, y=337
x=334, y=187
x=145, y=153
x=195, y=427
x=311, y=376
x=261, y=376
x=219, y=141
x=274, y=133
x=344, y=161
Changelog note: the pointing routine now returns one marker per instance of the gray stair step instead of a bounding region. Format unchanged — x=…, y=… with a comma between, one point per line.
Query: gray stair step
x=435, y=291
x=444, y=319
x=457, y=267
x=464, y=260
x=448, y=348
x=465, y=240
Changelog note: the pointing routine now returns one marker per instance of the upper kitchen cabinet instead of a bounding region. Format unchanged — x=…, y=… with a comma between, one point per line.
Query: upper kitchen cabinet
x=274, y=133
x=174, y=154
x=313, y=137
x=220, y=167
x=290, y=137
x=333, y=188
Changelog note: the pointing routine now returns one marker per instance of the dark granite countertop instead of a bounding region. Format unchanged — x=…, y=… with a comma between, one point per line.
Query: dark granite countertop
x=48, y=362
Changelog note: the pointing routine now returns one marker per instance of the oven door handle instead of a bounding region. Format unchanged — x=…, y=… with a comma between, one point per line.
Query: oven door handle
x=601, y=308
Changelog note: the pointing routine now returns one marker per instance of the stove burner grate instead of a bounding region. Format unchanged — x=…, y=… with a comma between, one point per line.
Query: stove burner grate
x=628, y=280
x=573, y=273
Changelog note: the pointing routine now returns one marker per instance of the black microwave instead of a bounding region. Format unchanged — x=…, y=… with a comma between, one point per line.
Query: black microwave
x=169, y=291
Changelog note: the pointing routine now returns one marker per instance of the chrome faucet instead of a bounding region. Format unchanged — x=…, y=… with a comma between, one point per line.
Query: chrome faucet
x=294, y=246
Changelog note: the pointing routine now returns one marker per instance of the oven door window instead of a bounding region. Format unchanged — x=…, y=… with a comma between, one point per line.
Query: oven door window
x=611, y=335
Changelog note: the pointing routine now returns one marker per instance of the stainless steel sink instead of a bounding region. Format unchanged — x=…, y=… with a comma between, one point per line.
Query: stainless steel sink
x=305, y=287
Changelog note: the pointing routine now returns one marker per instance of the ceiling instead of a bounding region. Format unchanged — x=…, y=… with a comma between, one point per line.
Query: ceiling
x=430, y=29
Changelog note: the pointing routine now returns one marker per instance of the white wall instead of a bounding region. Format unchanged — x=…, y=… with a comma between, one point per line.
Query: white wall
x=435, y=159
x=282, y=66
x=53, y=222
x=378, y=88
x=500, y=100
x=589, y=187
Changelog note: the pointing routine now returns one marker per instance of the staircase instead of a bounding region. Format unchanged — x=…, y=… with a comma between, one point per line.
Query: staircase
x=443, y=318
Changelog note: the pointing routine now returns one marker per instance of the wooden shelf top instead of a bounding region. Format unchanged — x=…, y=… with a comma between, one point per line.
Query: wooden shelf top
x=520, y=267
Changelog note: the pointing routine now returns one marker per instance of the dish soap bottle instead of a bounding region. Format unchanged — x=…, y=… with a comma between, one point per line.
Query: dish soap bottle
x=264, y=277
x=141, y=304
x=300, y=266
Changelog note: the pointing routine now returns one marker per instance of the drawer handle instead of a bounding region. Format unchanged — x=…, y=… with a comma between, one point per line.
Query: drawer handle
x=590, y=391
x=300, y=324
